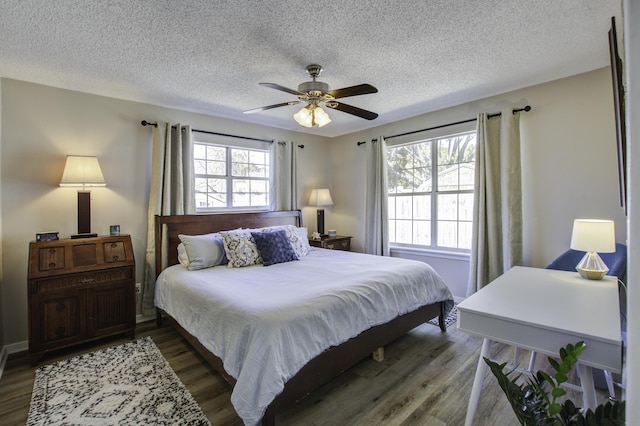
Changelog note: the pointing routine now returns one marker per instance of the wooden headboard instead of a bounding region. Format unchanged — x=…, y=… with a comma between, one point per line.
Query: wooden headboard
x=200, y=224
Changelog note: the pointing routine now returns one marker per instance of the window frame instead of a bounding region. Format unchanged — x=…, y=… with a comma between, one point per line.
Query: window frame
x=433, y=138
x=229, y=146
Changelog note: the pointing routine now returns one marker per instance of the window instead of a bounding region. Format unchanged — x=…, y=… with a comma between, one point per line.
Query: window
x=228, y=177
x=431, y=185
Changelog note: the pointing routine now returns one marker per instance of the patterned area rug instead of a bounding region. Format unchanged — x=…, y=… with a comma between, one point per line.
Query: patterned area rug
x=127, y=384
x=450, y=319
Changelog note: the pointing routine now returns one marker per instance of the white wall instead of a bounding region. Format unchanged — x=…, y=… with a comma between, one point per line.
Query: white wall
x=41, y=125
x=568, y=160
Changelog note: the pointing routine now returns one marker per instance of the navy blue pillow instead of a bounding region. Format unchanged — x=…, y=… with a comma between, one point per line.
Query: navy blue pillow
x=274, y=247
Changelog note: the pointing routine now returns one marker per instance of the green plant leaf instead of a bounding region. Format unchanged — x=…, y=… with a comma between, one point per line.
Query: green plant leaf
x=561, y=378
x=554, y=409
x=558, y=392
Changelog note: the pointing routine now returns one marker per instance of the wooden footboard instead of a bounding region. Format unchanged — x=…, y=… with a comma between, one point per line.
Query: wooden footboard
x=331, y=362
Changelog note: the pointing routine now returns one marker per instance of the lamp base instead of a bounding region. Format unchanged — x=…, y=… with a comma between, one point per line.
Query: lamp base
x=592, y=267
x=84, y=235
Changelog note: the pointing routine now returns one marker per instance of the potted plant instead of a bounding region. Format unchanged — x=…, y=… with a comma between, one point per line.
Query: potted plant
x=537, y=401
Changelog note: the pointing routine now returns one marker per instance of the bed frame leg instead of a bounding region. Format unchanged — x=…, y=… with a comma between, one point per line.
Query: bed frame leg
x=269, y=419
x=378, y=354
x=441, y=318
x=158, y=318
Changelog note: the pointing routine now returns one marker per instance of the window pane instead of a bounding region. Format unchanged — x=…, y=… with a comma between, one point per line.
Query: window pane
x=465, y=208
x=448, y=178
x=199, y=151
x=422, y=233
x=467, y=176
x=464, y=236
x=447, y=234
x=422, y=207
x=216, y=168
x=216, y=153
x=404, y=207
x=404, y=231
x=448, y=207
x=200, y=167
x=391, y=205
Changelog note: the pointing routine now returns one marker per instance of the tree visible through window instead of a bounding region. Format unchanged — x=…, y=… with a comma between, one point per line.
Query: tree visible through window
x=230, y=177
x=430, y=186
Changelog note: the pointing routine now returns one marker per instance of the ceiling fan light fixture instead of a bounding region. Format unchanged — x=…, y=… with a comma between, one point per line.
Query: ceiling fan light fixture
x=304, y=117
x=320, y=117
x=312, y=115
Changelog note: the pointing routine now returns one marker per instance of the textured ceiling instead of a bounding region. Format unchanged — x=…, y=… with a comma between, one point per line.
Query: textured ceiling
x=209, y=56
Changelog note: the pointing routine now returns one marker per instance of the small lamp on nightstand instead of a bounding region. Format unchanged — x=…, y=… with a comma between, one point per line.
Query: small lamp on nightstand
x=593, y=236
x=83, y=172
x=320, y=197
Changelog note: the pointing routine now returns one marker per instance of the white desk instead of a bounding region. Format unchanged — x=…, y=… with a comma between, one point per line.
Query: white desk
x=544, y=310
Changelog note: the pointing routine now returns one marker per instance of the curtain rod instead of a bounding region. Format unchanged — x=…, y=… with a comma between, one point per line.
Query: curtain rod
x=526, y=109
x=146, y=123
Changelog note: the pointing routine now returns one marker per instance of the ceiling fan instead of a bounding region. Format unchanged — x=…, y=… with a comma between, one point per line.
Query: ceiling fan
x=315, y=94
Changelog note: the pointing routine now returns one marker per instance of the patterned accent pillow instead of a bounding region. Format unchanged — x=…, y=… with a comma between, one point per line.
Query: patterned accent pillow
x=297, y=237
x=274, y=247
x=240, y=248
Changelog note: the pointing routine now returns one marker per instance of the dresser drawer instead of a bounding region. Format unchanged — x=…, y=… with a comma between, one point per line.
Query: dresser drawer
x=71, y=281
x=333, y=243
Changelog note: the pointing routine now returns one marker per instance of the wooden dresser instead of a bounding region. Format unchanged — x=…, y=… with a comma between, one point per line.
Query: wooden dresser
x=79, y=290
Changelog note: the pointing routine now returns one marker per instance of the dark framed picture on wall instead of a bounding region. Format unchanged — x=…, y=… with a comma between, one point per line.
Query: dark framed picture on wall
x=619, y=110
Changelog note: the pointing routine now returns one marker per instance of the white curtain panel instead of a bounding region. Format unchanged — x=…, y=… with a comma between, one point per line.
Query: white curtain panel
x=497, y=214
x=376, y=238
x=172, y=191
x=284, y=175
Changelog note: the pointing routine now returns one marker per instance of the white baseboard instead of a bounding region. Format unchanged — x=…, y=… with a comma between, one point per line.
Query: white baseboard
x=11, y=349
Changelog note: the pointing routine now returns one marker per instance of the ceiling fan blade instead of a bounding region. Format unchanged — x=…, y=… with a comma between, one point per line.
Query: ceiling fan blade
x=264, y=108
x=281, y=88
x=363, y=113
x=360, y=89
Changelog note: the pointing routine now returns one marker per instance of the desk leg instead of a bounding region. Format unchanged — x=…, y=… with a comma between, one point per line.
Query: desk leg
x=588, y=388
x=481, y=371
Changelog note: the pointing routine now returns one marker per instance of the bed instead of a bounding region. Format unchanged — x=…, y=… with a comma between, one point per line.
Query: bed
x=277, y=333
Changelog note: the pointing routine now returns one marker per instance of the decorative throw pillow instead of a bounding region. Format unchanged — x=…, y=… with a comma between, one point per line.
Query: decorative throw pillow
x=297, y=237
x=274, y=247
x=183, y=258
x=203, y=251
x=240, y=248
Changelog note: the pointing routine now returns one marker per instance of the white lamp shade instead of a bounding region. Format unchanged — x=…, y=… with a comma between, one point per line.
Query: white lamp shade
x=304, y=117
x=320, y=117
x=82, y=171
x=320, y=197
x=593, y=235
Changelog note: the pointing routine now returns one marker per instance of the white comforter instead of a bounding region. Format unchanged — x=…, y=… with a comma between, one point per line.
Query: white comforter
x=266, y=323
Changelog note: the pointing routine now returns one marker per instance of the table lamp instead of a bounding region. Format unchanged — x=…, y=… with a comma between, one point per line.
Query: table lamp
x=83, y=172
x=320, y=197
x=593, y=236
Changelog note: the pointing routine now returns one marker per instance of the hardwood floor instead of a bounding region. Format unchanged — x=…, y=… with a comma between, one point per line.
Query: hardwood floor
x=425, y=379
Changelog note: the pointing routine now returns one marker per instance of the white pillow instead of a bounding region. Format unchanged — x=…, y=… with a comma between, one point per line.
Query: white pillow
x=240, y=248
x=203, y=251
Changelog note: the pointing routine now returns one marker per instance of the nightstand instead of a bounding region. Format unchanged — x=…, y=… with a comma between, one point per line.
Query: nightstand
x=339, y=242
x=79, y=290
